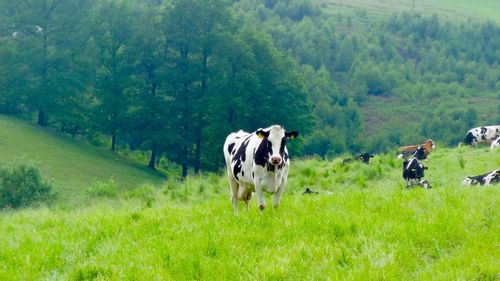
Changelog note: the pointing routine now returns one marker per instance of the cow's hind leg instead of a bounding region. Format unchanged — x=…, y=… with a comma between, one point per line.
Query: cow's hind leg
x=234, y=194
x=247, y=199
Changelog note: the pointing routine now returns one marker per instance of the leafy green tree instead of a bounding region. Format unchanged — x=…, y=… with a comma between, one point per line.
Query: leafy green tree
x=112, y=34
x=48, y=38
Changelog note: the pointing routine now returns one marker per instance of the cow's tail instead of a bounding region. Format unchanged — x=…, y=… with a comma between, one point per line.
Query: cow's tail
x=400, y=156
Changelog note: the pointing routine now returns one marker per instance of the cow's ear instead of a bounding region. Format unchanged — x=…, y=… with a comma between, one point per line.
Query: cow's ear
x=262, y=134
x=292, y=134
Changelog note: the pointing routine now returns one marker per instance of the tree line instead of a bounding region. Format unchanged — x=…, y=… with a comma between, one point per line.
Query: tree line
x=174, y=77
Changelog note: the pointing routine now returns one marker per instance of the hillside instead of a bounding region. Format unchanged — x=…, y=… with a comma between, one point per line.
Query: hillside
x=70, y=165
x=362, y=223
x=452, y=10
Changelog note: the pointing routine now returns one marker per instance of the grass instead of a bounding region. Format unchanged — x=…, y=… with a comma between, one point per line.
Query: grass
x=480, y=10
x=362, y=225
x=70, y=166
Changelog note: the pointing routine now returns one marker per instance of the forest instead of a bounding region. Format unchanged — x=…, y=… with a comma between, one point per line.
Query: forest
x=171, y=78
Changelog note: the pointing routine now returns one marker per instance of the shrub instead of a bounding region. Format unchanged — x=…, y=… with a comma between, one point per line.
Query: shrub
x=102, y=189
x=21, y=185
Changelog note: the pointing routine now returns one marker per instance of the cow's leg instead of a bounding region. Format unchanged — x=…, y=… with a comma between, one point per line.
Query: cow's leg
x=234, y=194
x=260, y=196
x=277, y=196
x=247, y=200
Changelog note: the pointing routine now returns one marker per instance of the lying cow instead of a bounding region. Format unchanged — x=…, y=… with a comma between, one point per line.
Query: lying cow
x=484, y=179
x=413, y=172
x=421, y=151
x=257, y=162
x=481, y=134
x=495, y=144
x=364, y=157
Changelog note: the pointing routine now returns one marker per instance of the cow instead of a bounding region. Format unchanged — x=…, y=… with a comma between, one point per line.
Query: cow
x=413, y=150
x=363, y=157
x=257, y=162
x=495, y=144
x=484, y=179
x=413, y=172
x=481, y=134
x=309, y=191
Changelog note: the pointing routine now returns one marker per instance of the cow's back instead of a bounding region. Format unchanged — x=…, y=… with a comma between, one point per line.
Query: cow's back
x=238, y=154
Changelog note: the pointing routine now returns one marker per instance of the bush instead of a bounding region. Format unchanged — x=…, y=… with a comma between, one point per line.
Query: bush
x=102, y=189
x=21, y=185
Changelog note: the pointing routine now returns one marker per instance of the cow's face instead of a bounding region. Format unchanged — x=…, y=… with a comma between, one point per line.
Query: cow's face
x=468, y=181
x=273, y=145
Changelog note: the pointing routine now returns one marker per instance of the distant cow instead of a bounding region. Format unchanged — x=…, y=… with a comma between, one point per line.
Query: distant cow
x=413, y=172
x=363, y=157
x=421, y=151
x=484, y=179
x=495, y=144
x=482, y=134
x=257, y=162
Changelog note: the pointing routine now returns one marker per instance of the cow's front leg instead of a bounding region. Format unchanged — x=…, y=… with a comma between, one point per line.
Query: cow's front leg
x=260, y=196
x=277, y=196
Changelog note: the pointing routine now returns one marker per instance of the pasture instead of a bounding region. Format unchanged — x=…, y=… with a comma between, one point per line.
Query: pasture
x=362, y=225
x=452, y=10
x=70, y=166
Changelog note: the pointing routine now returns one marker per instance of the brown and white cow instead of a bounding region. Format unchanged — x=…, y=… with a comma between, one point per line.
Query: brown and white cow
x=420, y=151
x=257, y=162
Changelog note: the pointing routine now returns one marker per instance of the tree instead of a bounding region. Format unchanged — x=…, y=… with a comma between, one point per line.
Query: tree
x=48, y=38
x=113, y=68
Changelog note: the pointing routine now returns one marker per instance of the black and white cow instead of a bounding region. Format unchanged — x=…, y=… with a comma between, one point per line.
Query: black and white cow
x=495, y=144
x=257, y=162
x=484, y=179
x=482, y=134
x=413, y=172
x=363, y=157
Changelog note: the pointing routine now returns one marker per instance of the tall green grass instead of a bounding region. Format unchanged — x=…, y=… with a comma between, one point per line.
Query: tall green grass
x=363, y=225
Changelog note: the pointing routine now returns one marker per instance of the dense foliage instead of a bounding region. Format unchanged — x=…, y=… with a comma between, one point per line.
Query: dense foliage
x=173, y=77
x=21, y=185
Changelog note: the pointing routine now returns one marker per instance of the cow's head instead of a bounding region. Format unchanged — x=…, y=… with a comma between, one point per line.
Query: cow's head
x=365, y=157
x=272, y=148
x=468, y=181
x=470, y=139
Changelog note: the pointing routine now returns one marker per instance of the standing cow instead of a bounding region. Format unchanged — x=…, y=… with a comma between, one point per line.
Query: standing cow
x=257, y=162
x=482, y=134
x=413, y=172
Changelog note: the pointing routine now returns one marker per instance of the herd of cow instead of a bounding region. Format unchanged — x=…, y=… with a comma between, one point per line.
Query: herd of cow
x=258, y=162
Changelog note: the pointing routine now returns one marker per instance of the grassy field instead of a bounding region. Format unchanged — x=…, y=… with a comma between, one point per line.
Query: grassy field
x=69, y=165
x=363, y=225
x=479, y=10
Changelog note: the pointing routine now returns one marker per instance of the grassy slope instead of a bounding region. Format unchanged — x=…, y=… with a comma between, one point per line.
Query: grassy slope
x=450, y=9
x=70, y=166
x=363, y=224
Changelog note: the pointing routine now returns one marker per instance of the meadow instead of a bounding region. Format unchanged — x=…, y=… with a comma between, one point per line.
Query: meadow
x=363, y=225
x=447, y=9
x=70, y=166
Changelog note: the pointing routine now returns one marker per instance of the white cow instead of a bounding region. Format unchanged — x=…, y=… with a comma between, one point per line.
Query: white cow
x=257, y=162
x=482, y=134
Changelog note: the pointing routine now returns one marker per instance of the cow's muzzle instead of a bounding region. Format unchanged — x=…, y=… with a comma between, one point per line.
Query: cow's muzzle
x=275, y=160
